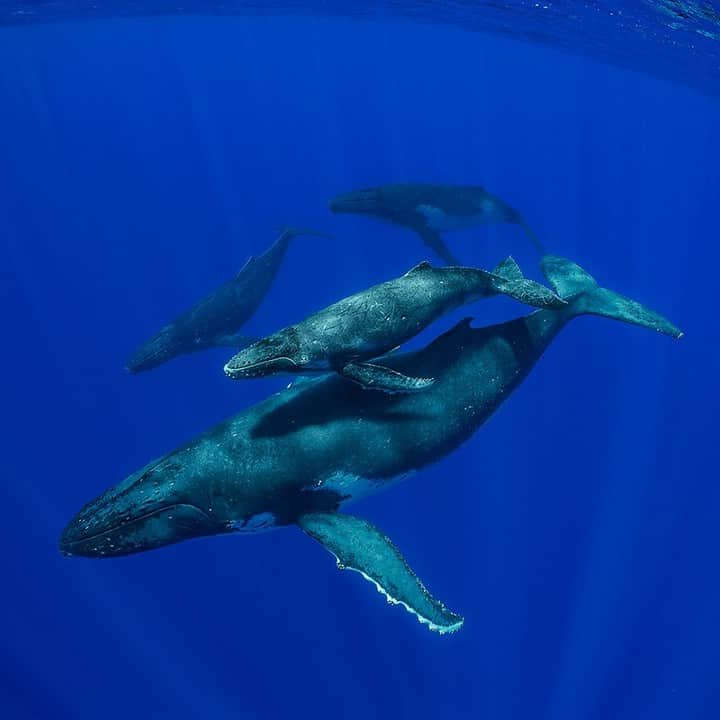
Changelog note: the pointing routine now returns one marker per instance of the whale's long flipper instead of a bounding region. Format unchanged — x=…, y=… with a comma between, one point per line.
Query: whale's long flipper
x=436, y=244
x=379, y=377
x=359, y=546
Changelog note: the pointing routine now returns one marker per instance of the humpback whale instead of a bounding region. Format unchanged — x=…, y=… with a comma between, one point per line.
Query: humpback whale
x=432, y=209
x=299, y=457
x=345, y=335
x=215, y=320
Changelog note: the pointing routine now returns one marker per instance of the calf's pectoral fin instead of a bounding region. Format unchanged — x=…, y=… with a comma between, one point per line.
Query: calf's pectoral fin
x=379, y=377
x=360, y=546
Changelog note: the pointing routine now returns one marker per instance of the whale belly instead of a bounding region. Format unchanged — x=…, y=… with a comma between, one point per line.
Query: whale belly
x=440, y=221
x=351, y=487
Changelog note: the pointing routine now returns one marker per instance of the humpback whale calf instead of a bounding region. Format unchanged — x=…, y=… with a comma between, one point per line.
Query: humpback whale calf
x=298, y=457
x=215, y=320
x=345, y=335
x=432, y=209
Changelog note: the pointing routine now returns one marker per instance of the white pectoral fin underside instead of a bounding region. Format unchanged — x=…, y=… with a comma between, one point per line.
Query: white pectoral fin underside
x=360, y=546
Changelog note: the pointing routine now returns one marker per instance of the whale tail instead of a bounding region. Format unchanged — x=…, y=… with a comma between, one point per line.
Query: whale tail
x=585, y=297
x=507, y=278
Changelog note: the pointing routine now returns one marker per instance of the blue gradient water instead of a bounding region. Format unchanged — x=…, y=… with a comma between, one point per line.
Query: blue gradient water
x=141, y=161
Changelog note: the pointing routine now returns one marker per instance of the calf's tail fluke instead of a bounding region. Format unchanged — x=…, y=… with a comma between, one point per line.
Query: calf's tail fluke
x=507, y=278
x=586, y=297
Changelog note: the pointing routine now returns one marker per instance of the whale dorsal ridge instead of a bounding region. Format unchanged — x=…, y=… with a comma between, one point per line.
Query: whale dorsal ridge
x=423, y=266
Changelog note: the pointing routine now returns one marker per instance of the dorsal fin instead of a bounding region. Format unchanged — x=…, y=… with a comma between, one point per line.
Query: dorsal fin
x=423, y=266
x=508, y=269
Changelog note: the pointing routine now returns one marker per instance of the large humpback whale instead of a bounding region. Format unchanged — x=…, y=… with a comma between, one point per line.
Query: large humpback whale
x=216, y=319
x=301, y=455
x=432, y=209
x=345, y=335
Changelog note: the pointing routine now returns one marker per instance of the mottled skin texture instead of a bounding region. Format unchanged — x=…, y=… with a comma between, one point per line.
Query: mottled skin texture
x=379, y=319
x=216, y=318
x=301, y=455
x=284, y=455
x=430, y=210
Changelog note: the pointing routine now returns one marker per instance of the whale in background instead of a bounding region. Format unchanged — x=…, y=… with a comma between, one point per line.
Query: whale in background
x=299, y=457
x=430, y=210
x=215, y=320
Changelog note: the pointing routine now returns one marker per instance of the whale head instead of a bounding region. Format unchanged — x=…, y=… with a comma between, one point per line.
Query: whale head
x=151, y=508
x=158, y=349
x=365, y=201
x=278, y=353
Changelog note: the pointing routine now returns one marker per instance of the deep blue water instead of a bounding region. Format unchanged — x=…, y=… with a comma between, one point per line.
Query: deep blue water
x=142, y=161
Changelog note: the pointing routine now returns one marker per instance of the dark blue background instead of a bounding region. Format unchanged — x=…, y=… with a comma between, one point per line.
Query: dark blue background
x=142, y=161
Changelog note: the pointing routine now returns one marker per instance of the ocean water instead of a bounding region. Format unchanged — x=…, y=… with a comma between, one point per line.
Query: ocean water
x=142, y=159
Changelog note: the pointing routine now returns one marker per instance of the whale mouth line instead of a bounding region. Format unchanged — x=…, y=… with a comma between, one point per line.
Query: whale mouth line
x=231, y=369
x=67, y=545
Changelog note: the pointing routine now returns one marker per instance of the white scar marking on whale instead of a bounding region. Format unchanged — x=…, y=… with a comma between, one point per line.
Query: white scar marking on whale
x=255, y=523
x=440, y=221
x=352, y=486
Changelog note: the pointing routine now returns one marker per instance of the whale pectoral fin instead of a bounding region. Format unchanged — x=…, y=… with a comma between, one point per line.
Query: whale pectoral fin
x=437, y=244
x=360, y=546
x=237, y=341
x=379, y=377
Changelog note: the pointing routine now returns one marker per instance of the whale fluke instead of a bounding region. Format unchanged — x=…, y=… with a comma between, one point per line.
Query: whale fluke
x=358, y=545
x=508, y=279
x=585, y=297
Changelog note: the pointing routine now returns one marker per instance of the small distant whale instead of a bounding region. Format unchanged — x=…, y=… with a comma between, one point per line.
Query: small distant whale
x=300, y=456
x=432, y=209
x=215, y=320
x=345, y=335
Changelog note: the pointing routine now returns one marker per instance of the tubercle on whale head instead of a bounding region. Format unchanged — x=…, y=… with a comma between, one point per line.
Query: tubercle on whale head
x=277, y=353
